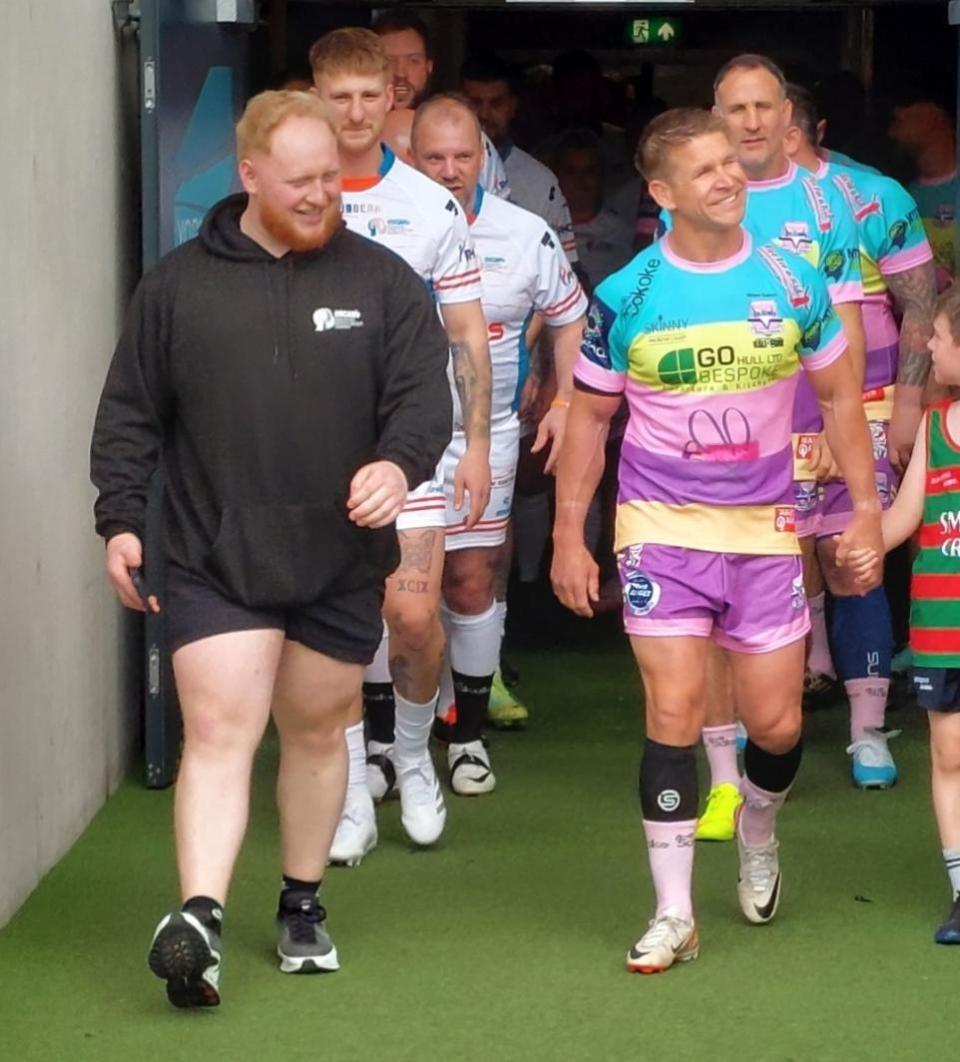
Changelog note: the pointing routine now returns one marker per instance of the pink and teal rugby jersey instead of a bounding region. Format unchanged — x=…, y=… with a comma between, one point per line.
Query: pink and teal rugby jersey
x=892, y=240
x=806, y=217
x=709, y=357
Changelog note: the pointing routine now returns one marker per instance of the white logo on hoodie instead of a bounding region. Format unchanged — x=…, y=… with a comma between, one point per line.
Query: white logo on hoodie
x=325, y=319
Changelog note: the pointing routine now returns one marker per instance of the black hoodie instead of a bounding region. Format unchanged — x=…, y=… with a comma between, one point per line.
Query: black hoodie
x=267, y=383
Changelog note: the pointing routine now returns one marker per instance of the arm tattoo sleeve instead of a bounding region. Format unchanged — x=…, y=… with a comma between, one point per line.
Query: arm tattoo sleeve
x=541, y=358
x=474, y=398
x=915, y=292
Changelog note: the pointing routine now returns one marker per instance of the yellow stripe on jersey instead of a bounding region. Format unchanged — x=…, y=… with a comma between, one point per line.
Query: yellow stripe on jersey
x=873, y=282
x=879, y=405
x=721, y=358
x=755, y=530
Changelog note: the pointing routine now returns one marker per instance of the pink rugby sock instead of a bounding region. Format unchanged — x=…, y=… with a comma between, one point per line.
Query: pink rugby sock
x=720, y=743
x=868, y=703
x=758, y=813
x=819, y=659
x=670, y=851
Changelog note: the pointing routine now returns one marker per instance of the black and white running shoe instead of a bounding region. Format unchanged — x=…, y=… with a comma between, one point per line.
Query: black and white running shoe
x=303, y=944
x=186, y=954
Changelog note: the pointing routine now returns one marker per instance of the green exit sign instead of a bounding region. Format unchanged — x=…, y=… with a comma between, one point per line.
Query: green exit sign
x=653, y=30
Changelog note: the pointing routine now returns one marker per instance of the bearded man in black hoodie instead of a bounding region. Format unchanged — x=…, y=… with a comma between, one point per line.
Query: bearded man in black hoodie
x=293, y=376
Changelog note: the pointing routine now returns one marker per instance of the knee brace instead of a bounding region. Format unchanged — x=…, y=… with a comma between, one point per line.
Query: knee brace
x=668, y=782
x=861, y=636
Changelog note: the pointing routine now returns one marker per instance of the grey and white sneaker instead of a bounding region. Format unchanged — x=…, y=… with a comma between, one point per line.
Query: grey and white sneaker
x=758, y=887
x=381, y=773
x=303, y=943
x=187, y=954
x=422, y=810
x=668, y=939
x=470, y=770
x=357, y=830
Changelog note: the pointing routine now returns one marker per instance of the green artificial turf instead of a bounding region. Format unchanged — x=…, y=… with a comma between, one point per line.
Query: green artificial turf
x=507, y=941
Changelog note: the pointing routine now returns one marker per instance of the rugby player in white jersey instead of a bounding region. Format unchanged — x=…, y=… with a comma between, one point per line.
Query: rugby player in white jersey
x=525, y=271
x=388, y=201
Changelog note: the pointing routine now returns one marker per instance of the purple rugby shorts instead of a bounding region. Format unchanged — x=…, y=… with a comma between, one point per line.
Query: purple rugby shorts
x=746, y=603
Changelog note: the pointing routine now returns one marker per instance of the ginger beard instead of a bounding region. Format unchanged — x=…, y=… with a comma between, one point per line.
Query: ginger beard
x=313, y=232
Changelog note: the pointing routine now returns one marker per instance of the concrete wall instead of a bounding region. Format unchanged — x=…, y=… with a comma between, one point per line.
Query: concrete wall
x=69, y=176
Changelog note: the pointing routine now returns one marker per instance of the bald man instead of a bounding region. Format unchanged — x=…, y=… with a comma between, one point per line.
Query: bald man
x=525, y=271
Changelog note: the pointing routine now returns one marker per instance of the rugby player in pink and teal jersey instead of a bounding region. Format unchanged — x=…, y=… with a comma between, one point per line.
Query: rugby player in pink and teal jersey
x=707, y=334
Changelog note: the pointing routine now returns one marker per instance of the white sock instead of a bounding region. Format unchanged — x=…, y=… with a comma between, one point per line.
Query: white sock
x=531, y=528
x=951, y=857
x=412, y=728
x=356, y=761
x=501, y=607
x=379, y=670
x=474, y=643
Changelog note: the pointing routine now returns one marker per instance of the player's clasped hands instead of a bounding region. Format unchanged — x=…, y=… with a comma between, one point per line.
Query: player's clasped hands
x=861, y=552
x=377, y=494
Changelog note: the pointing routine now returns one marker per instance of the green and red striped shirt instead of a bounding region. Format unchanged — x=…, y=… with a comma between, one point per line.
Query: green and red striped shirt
x=935, y=590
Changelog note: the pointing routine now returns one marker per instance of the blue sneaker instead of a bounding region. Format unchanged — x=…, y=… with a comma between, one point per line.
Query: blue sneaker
x=873, y=766
x=949, y=932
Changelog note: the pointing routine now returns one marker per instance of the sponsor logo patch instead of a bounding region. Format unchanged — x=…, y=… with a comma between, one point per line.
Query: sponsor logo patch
x=795, y=236
x=640, y=594
x=764, y=317
x=784, y=518
x=327, y=320
x=668, y=800
x=806, y=493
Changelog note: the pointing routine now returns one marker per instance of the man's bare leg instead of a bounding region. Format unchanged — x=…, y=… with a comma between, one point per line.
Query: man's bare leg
x=225, y=686
x=411, y=612
x=674, y=671
x=312, y=696
x=767, y=689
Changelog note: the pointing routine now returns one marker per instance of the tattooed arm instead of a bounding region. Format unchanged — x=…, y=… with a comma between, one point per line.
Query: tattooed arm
x=914, y=291
x=470, y=353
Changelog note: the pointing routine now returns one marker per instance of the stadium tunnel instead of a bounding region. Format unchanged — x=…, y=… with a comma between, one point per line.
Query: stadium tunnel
x=199, y=61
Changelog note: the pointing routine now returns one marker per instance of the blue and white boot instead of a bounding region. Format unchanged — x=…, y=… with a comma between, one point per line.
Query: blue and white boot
x=873, y=766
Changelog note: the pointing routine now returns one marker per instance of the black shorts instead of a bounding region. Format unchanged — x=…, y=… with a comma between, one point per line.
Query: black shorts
x=346, y=625
x=937, y=688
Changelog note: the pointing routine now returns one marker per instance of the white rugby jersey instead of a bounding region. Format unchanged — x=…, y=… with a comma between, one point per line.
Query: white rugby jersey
x=493, y=175
x=535, y=187
x=524, y=270
x=418, y=220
